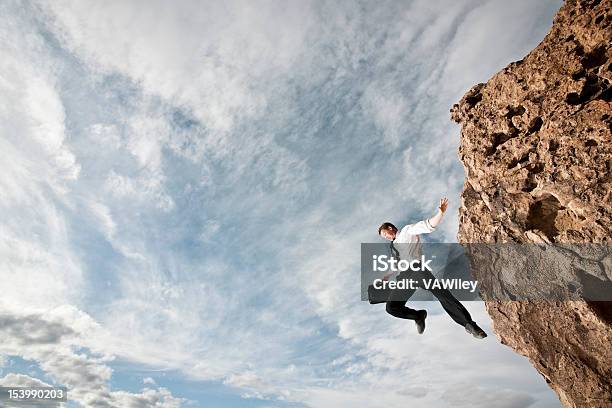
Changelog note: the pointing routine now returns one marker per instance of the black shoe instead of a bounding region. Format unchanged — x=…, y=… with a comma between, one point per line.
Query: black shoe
x=420, y=322
x=475, y=331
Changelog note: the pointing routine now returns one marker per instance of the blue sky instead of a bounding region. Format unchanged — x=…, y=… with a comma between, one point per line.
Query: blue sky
x=186, y=185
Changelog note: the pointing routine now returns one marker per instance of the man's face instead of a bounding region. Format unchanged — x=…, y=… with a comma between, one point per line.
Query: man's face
x=388, y=233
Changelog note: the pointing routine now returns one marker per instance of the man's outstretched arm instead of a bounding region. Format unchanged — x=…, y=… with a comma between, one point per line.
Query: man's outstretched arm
x=429, y=225
x=435, y=220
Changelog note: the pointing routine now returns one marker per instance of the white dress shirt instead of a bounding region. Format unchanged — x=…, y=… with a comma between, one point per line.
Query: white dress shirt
x=409, y=237
x=410, y=233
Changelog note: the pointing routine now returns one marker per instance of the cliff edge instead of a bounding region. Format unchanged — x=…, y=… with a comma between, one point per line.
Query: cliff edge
x=536, y=147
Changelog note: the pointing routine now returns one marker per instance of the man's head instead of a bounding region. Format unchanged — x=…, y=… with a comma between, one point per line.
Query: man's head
x=387, y=231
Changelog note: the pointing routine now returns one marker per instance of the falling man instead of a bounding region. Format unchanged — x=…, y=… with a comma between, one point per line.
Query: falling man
x=396, y=303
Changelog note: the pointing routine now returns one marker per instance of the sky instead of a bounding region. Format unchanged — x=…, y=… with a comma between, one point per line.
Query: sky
x=185, y=186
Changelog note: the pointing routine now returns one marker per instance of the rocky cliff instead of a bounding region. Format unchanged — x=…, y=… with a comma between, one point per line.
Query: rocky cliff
x=536, y=146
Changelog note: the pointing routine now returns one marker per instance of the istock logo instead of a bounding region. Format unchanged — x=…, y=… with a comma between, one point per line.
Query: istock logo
x=383, y=263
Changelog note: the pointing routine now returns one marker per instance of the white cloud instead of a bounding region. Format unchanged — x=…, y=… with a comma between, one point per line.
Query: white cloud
x=4, y=361
x=387, y=108
x=21, y=380
x=148, y=380
x=144, y=190
x=38, y=169
x=204, y=55
x=72, y=350
x=468, y=395
x=105, y=135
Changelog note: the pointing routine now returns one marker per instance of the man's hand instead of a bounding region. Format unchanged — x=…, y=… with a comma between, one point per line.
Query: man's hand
x=435, y=220
x=443, y=204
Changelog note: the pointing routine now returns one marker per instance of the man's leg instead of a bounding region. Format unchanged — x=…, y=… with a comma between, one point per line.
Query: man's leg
x=399, y=309
x=396, y=306
x=458, y=312
x=452, y=306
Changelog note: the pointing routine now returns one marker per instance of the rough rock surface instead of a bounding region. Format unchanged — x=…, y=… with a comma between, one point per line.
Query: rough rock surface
x=536, y=146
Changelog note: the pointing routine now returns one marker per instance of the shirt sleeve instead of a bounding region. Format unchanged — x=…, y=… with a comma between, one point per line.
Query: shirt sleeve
x=421, y=227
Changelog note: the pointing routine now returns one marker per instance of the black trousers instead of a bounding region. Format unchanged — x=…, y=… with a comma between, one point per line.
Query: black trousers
x=396, y=305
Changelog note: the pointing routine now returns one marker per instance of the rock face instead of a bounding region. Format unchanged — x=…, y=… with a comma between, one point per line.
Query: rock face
x=536, y=146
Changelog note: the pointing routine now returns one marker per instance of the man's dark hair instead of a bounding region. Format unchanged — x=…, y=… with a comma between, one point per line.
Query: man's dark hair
x=386, y=225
